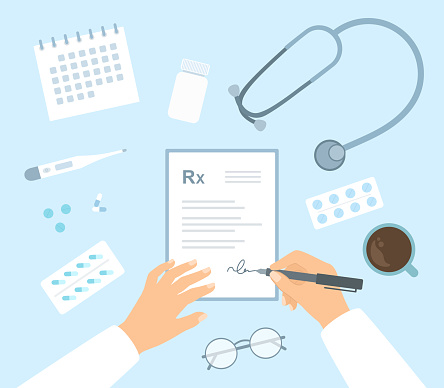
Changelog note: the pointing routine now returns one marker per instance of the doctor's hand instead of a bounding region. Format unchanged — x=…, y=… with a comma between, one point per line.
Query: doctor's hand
x=153, y=319
x=322, y=304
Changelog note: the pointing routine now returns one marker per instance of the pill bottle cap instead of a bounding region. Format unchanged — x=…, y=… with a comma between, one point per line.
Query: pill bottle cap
x=195, y=67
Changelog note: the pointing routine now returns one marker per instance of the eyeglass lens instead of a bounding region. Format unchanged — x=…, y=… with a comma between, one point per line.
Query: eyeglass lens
x=265, y=343
x=221, y=353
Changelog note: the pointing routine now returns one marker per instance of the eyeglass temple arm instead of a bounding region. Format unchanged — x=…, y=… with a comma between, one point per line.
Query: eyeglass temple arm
x=282, y=346
x=209, y=365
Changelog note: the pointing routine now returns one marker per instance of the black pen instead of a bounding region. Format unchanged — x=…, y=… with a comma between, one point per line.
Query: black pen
x=339, y=283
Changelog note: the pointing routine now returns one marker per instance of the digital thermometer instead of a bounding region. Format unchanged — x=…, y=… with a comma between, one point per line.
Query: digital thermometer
x=65, y=165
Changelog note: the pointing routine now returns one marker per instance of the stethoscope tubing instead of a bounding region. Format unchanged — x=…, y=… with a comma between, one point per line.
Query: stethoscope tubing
x=248, y=115
x=245, y=113
x=419, y=82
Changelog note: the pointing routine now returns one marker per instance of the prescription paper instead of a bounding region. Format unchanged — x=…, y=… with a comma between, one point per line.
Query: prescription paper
x=82, y=277
x=344, y=203
x=227, y=215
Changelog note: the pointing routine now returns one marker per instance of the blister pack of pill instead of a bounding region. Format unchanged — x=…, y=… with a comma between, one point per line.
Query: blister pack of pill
x=82, y=277
x=344, y=203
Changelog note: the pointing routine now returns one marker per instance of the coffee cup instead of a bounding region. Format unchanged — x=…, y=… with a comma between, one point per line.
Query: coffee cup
x=389, y=249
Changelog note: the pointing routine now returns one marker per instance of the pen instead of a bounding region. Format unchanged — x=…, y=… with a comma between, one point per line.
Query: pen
x=339, y=283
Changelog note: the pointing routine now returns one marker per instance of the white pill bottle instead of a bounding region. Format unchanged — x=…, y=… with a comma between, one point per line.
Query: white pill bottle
x=189, y=91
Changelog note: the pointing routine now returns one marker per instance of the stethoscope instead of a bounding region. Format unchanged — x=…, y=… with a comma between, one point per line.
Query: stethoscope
x=330, y=154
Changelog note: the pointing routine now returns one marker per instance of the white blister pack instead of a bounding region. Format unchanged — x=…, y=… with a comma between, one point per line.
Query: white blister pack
x=82, y=277
x=344, y=203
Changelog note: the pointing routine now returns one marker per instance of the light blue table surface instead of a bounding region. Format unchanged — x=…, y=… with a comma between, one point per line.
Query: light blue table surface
x=370, y=85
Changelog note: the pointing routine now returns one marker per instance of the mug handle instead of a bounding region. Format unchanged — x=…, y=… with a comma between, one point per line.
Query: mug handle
x=412, y=271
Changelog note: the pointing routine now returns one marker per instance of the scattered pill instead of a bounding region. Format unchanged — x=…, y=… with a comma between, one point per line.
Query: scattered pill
x=108, y=272
x=366, y=187
x=95, y=257
x=58, y=282
x=322, y=218
x=350, y=193
x=71, y=273
x=83, y=265
x=66, y=209
x=317, y=204
x=48, y=213
x=97, y=201
x=81, y=289
x=333, y=199
x=354, y=207
x=371, y=201
x=60, y=227
x=70, y=297
x=99, y=209
x=92, y=281
x=338, y=212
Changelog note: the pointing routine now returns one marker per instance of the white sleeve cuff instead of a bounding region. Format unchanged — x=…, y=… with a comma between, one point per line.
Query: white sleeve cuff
x=363, y=355
x=99, y=362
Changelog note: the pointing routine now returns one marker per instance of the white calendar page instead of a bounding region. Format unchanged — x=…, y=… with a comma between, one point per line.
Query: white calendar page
x=87, y=75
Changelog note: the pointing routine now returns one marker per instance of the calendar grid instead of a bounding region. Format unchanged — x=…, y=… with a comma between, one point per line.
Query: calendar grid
x=87, y=74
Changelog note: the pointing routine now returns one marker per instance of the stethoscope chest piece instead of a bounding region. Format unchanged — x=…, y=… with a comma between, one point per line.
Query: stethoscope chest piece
x=329, y=155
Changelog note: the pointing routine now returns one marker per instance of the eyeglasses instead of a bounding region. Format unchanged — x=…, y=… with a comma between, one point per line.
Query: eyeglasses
x=221, y=353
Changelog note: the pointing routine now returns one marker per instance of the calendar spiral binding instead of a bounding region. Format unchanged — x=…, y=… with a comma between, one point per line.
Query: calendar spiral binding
x=91, y=36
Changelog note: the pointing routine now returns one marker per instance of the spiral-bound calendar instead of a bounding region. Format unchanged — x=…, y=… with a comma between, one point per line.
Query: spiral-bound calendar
x=86, y=73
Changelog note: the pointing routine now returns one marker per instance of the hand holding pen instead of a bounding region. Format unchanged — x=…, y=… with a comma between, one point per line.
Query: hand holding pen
x=321, y=303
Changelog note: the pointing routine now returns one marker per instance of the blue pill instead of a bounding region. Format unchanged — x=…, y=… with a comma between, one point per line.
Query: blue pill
x=371, y=201
x=334, y=199
x=95, y=257
x=58, y=282
x=70, y=297
x=48, y=213
x=92, y=281
x=81, y=289
x=317, y=204
x=96, y=203
x=108, y=272
x=60, y=227
x=83, y=265
x=322, y=218
x=350, y=193
x=354, y=207
x=366, y=187
x=338, y=213
x=71, y=273
x=66, y=209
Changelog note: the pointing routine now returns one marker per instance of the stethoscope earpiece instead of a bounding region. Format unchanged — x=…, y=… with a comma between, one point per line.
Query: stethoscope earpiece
x=260, y=125
x=329, y=155
x=234, y=90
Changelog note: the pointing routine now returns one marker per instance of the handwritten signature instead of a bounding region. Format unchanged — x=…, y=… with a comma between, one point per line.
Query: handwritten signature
x=240, y=268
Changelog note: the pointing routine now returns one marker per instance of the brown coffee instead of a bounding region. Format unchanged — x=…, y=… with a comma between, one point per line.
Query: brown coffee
x=389, y=249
